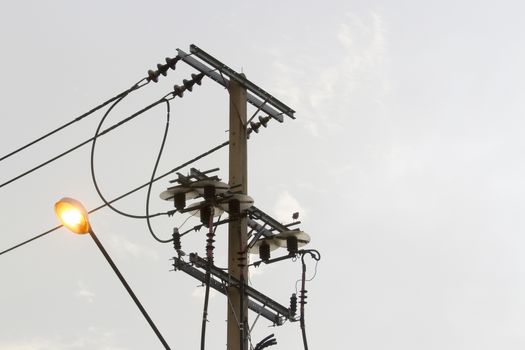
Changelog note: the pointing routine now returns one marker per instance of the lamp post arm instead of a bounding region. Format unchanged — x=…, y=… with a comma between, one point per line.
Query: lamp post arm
x=128, y=288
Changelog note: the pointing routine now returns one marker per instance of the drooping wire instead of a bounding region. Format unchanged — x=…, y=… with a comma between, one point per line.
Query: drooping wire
x=138, y=85
x=117, y=99
x=177, y=91
x=153, y=175
x=92, y=160
x=202, y=155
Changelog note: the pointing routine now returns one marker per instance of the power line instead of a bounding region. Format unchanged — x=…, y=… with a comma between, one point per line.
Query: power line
x=31, y=239
x=92, y=163
x=148, y=222
x=82, y=143
x=193, y=160
x=138, y=85
x=177, y=91
x=153, y=75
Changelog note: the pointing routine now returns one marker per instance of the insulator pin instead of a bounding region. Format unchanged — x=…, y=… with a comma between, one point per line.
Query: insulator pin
x=293, y=304
x=292, y=244
x=303, y=297
x=205, y=215
x=264, y=251
x=180, y=200
x=176, y=239
x=264, y=121
x=209, y=245
x=178, y=90
x=153, y=75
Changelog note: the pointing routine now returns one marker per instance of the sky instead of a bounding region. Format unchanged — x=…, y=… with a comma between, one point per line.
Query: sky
x=405, y=163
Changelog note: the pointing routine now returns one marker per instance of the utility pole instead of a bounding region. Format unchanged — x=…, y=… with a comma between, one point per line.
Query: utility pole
x=266, y=233
x=237, y=231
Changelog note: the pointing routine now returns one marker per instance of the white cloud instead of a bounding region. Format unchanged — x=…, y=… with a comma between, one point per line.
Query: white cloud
x=286, y=205
x=326, y=91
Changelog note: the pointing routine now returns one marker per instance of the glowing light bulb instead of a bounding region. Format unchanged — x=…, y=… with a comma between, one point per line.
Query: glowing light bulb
x=73, y=215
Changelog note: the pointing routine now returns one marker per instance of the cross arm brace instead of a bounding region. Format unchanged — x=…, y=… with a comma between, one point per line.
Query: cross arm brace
x=251, y=292
x=221, y=287
x=212, y=74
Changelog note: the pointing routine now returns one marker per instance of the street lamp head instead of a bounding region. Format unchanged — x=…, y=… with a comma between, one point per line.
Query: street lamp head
x=73, y=215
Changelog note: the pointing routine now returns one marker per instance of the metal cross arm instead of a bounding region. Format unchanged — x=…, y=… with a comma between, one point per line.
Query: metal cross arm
x=255, y=95
x=256, y=213
x=242, y=80
x=220, y=286
x=251, y=292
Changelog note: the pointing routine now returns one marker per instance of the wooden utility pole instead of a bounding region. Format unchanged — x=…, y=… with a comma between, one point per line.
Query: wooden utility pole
x=241, y=297
x=238, y=175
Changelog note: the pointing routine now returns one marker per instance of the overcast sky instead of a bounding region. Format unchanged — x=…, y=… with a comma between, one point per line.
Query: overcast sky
x=405, y=163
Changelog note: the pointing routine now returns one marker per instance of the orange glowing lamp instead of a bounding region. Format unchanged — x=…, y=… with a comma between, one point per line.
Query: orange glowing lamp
x=73, y=215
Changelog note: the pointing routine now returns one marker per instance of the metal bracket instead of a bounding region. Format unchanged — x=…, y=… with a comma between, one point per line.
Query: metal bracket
x=268, y=308
x=251, y=94
x=263, y=95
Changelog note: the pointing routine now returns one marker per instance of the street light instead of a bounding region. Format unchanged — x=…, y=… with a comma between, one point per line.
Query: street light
x=74, y=216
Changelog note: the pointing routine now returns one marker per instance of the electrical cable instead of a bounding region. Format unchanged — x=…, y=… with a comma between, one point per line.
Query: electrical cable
x=116, y=101
x=138, y=85
x=207, y=281
x=116, y=125
x=178, y=91
x=198, y=227
x=31, y=239
x=92, y=158
x=205, y=308
x=253, y=324
x=193, y=160
x=153, y=175
x=186, y=220
x=243, y=324
x=314, y=254
x=308, y=279
x=266, y=342
x=302, y=302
